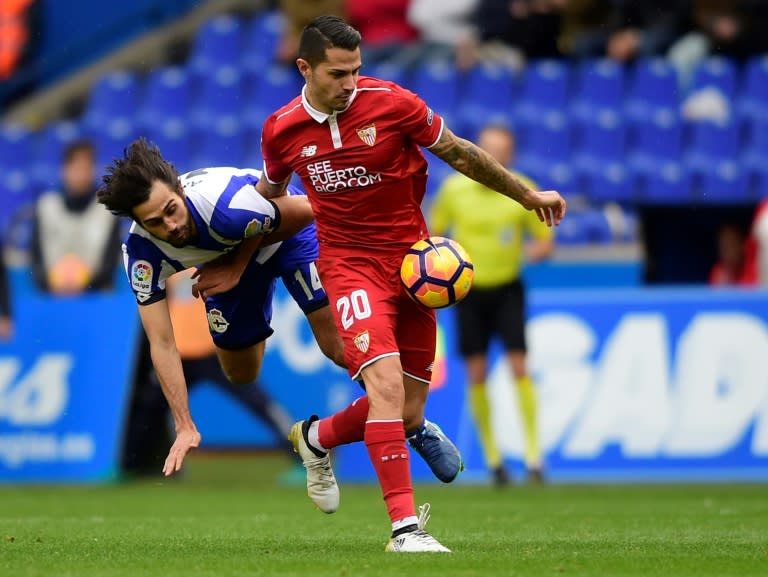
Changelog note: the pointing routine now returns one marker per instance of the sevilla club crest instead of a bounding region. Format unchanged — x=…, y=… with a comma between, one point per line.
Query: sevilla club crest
x=367, y=134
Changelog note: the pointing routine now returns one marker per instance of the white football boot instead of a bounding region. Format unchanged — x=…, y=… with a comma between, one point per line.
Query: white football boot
x=418, y=541
x=321, y=482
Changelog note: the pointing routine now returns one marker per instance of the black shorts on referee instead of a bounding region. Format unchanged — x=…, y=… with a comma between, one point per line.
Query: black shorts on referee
x=486, y=313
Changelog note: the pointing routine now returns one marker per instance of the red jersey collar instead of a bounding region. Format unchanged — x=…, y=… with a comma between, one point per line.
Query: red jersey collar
x=318, y=116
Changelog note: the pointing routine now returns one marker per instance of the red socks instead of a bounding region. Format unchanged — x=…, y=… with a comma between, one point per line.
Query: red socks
x=389, y=455
x=346, y=426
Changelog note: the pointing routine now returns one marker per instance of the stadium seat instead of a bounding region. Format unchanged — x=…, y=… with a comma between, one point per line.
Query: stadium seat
x=487, y=96
x=544, y=145
x=16, y=190
x=167, y=95
x=114, y=95
x=220, y=96
x=752, y=102
x=573, y=230
x=652, y=86
x=599, y=86
x=16, y=145
x=545, y=87
x=387, y=71
x=112, y=138
x=217, y=43
x=610, y=183
x=277, y=86
x=670, y=183
x=655, y=142
x=221, y=144
x=716, y=72
x=261, y=37
x=173, y=137
x=437, y=83
x=710, y=142
x=49, y=150
x=723, y=182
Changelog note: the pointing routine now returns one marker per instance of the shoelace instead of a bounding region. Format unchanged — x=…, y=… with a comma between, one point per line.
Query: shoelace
x=423, y=516
x=323, y=468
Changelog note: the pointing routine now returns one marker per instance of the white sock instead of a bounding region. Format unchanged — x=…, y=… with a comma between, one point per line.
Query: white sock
x=412, y=520
x=314, y=437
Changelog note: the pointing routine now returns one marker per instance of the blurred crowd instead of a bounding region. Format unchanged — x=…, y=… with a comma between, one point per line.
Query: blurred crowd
x=515, y=30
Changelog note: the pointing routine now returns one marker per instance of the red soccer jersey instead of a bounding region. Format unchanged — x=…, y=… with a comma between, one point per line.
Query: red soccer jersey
x=362, y=168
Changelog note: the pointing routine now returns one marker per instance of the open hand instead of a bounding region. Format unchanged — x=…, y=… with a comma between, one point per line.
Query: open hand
x=185, y=441
x=550, y=207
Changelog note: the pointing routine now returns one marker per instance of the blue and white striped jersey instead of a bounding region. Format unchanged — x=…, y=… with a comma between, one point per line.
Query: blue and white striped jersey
x=226, y=209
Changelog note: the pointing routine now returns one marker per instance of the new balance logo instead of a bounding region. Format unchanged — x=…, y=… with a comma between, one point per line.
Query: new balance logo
x=310, y=150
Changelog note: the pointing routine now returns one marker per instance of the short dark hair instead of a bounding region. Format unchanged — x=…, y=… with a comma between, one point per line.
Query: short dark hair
x=326, y=32
x=76, y=147
x=129, y=179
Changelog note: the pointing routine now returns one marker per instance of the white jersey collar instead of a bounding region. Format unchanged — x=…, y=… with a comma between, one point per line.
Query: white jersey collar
x=318, y=116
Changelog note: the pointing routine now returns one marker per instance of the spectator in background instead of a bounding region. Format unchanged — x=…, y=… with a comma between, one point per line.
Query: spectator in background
x=6, y=316
x=757, y=246
x=299, y=13
x=622, y=29
x=495, y=232
x=75, y=242
x=518, y=30
x=732, y=266
x=446, y=30
x=389, y=37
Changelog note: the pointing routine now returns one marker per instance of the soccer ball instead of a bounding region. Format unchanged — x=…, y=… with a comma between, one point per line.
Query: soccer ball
x=437, y=272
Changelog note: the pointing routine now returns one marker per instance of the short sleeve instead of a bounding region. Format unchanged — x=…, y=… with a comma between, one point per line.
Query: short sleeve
x=275, y=170
x=416, y=119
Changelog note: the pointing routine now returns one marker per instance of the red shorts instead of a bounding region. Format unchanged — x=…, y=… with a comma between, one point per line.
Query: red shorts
x=374, y=315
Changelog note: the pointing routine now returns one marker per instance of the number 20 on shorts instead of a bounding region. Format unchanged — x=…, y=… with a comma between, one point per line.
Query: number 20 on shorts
x=353, y=307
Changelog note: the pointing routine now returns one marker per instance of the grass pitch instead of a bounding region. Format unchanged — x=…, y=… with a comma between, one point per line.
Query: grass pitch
x=229, y=516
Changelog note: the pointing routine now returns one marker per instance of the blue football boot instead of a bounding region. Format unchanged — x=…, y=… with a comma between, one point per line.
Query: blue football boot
x=437, y=450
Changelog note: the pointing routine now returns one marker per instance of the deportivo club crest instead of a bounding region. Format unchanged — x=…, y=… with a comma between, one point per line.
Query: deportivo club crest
x=367, y=134
x=362, y=341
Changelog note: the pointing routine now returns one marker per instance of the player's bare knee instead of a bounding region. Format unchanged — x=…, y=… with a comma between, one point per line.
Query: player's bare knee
x=240, y=375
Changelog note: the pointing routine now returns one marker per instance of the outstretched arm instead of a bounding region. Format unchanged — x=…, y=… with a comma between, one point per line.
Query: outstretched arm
x=472, y=161
x=167, y=362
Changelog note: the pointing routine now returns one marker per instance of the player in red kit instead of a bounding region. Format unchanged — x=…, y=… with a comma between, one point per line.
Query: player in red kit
x=355, y=142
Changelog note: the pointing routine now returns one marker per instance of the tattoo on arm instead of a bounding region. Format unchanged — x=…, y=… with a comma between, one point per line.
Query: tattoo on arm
x=477, y=164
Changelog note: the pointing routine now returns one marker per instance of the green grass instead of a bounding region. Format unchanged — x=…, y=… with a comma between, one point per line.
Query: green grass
x=228, y=516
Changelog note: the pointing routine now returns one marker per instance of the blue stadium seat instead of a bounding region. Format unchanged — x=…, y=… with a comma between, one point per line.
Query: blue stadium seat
x=544, y=145
x=599, y=86
x=655, y=142
x=387, y=71
x=546, y=86
x=261, y=37
x=487, y=96
x=652, y=85
x=217, y=43
x=610, y=183
x=173, y=137
x=114, y=95
x=17, y=191
x=716, y=72
x=670, y=183
x=599, y=142
x=758, y=183
x=755, y=151
x=49, y=150
x=221, y=144
x=16, y=145
x=220, y=96
x=167, y=95
x=752, y=102
x=723, y=182
x=437, y=83
x=277, y=86
x=573, y=230
x=112, y=138
x=709, y=143
x=598, y=229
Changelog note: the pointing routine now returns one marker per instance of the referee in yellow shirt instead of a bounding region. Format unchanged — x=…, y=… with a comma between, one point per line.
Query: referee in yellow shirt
x=499, y=235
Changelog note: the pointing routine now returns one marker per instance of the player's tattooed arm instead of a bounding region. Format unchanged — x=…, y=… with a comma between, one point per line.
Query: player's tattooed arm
x=477, y=164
